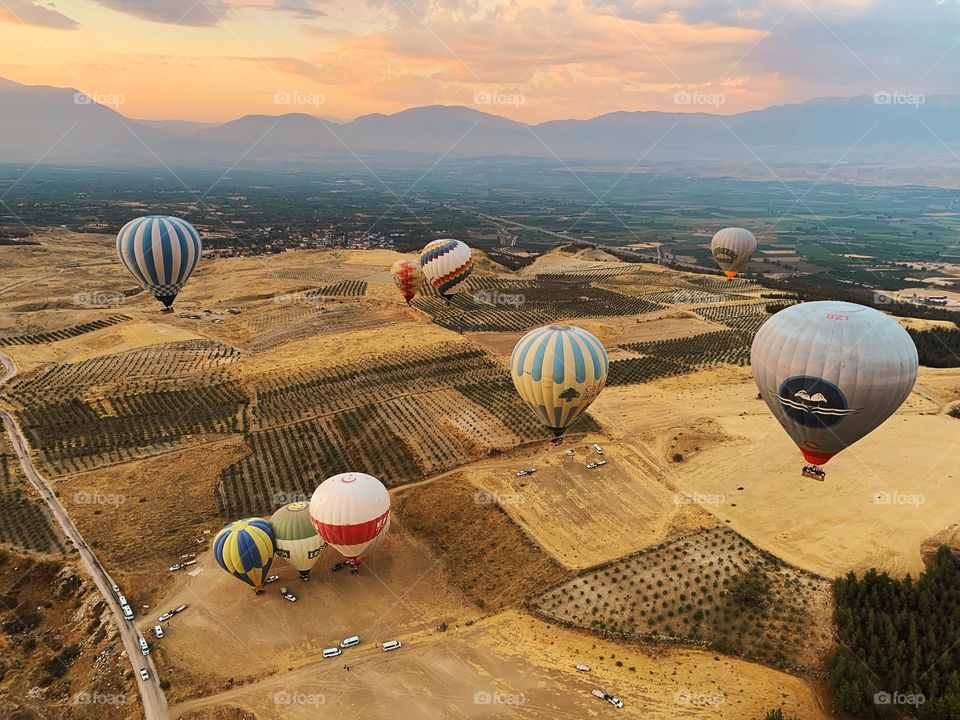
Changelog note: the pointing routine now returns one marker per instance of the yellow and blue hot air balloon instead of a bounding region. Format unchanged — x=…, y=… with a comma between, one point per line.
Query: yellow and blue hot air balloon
x=559, y=370
x=161, y=253
x=296, y=538
x=245, y=550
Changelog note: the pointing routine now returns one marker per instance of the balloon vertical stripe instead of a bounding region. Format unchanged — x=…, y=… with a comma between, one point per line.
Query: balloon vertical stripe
x=161, y=253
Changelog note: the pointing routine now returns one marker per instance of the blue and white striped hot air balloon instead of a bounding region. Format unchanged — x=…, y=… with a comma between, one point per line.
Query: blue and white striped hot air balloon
x=161, y=252
x=559, y=370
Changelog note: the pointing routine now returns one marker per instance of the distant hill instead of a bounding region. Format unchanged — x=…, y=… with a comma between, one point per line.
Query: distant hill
x=64, y=125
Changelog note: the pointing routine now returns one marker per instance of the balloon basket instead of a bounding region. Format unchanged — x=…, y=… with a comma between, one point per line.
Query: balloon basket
x=814, y=472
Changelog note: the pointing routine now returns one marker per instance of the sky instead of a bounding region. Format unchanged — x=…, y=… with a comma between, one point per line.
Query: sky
x=529, y=60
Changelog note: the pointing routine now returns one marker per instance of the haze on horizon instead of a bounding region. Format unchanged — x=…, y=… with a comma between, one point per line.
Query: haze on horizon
x=529, y=60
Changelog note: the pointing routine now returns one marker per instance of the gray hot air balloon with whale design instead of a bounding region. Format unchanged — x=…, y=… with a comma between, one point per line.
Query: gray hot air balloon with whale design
x=832, y=372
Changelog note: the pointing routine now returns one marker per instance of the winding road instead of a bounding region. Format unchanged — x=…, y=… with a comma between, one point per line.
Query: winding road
x=151, y=696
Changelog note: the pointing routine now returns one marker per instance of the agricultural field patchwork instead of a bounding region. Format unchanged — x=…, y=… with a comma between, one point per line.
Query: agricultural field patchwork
x=24, y=520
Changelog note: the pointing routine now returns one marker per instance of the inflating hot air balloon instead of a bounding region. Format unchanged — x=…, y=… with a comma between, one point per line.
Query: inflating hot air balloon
x=446, y=265
x=245, y=550
x=831, y=372
x=161, y=252
x=558, y=371
x=295, y=538
x=351, y=512
x=732, y=248
x=408, y=276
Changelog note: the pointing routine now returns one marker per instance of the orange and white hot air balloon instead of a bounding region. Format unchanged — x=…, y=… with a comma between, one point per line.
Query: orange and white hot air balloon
x=408, y=276
x=351, y=512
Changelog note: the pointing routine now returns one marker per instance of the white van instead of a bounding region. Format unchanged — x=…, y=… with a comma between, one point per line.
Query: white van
x=331, y=652
x=122, y=600
x=392, y=645
x=158, y=631
x=350, y=641
x=598, y=450
x=127, y=612
x=144, y=648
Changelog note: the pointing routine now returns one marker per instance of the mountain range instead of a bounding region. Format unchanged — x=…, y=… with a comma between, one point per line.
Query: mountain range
x=62, y=125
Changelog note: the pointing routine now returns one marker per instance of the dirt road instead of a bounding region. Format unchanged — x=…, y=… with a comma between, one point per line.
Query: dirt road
x=154, y=702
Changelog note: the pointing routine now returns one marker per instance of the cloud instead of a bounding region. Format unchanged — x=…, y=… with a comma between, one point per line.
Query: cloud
x=173, y=12
x=306, y=9
x=29, y=13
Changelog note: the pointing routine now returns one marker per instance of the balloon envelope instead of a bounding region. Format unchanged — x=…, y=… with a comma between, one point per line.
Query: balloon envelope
x=161, y=253
x=559, y=370
x=831, y=372
x=245, y=550
x=351, y=512
x=295, y=538
x=447, y=264
x=732, y=248
x=408, y=276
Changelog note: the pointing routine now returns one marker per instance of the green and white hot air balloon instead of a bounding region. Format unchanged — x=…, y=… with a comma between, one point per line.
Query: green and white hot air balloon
x=296, y=538
x=832, y=372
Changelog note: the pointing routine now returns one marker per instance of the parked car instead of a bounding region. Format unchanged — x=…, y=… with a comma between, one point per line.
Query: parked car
x=331, y=652
x=175, y=567
x=144, y=674
x=271, y=579
x=615, y=701
x=591, y=465
x=350, y=641
x=290, y=596
x=597, y=449
x=115, y=588
x=127, y=612
x=158, y=631
x=166, y=616
x=392, y=645
x=582, y=668
x=528, y=471
x=569, y=453
x=122, y=600
x=144, y=648
x=180, y=609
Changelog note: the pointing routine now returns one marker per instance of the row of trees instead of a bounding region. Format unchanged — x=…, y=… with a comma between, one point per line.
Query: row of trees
x=938, y=347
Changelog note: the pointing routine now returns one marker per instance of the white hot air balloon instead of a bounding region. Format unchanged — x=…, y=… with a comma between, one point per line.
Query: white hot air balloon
x=732, y=248
x=831, y=372
x=351, y=512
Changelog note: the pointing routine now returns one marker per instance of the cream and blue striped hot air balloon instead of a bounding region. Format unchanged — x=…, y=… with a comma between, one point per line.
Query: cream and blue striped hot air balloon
x=245, y=549
x=446, y=265
x=296, y=538
x=161, y=253
x=558, y=371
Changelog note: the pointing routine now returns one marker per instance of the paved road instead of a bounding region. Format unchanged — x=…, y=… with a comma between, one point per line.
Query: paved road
x=154, y=702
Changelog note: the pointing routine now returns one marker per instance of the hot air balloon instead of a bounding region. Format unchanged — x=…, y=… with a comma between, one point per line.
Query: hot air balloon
x=831, y=372
x=161, y=253
x=446, y=265
x=408, y=276
x=245, y=550
x=351, y=512
x=295, y=538
x=558, y=371
x=732, y=248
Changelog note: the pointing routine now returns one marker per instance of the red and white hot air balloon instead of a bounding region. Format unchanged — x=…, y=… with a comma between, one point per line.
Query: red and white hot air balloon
x=351, y=512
